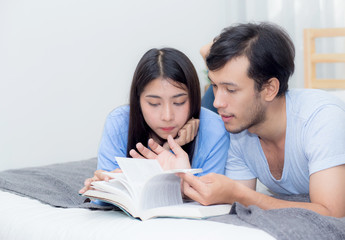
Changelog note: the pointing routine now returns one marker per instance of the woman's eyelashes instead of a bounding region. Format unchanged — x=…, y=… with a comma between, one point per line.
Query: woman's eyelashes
x=153, y=104
x=180, y=103
x=175, y=103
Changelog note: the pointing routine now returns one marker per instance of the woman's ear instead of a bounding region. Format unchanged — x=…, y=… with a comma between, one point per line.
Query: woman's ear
x=271, y=89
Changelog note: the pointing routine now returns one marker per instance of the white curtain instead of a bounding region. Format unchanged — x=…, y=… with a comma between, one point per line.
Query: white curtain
x=294, y=16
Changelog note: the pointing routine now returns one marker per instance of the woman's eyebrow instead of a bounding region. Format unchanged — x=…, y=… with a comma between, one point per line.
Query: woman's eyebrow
x=152, y=96
x=179, y=95
x=175, y=96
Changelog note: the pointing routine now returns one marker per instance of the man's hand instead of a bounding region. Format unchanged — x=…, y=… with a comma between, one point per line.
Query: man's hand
x=209, y=189
x=98, y=176
x=166, y=159
x=186, y=134
x=205, y=50
x=327, y=192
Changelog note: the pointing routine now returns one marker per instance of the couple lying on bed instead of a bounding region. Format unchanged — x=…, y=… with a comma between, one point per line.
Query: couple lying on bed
x=293, y=141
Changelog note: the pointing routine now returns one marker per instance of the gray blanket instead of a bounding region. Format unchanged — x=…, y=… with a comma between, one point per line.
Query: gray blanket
x=58, y=186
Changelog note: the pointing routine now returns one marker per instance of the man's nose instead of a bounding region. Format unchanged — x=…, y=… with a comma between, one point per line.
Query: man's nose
x=219, y=100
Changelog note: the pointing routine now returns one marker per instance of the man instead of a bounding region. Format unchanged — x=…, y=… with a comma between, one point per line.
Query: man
x=292, y=141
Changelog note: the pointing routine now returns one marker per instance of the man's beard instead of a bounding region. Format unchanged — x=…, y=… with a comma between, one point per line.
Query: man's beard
x=257, y=115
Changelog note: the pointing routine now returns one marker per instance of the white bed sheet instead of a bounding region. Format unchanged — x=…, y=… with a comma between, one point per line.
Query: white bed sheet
x=25, y=218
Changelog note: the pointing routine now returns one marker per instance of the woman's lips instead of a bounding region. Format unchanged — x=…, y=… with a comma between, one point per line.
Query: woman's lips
x=167, y=129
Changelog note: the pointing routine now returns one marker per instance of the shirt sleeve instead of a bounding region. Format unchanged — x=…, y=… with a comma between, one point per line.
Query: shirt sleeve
x=216, y=158
x=325, y=138
x=113, y=144
x=236, y=166
x=212, y=144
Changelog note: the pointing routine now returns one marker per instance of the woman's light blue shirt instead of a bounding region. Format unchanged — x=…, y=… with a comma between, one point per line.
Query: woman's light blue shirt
x=212, y=141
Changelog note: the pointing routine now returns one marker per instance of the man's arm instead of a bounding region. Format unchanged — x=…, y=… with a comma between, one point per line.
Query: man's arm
x=248, y=183
x=327, y=192
x=205, y=50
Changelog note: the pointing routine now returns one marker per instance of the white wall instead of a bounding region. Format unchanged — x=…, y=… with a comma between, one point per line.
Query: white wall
x=64, y=65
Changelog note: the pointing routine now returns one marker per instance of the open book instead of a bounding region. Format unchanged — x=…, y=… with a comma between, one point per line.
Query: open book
x=145, y=191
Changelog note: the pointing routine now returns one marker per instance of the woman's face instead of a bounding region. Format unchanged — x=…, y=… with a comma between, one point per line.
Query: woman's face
x=165, y=107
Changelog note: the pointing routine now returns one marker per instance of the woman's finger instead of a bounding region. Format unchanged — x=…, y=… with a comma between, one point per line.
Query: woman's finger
x=99, y=176
x=147, y=153
x=188, y=127
x=156, y=148
x=181, y=139
x=195, y=127
x=134, y=154
x=179, y=152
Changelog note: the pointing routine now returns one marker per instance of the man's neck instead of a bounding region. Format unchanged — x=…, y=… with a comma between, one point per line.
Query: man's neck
x=272, y=129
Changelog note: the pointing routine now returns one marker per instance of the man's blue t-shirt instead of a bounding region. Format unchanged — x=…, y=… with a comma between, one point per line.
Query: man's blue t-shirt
x=211, y=148
x=314, y=141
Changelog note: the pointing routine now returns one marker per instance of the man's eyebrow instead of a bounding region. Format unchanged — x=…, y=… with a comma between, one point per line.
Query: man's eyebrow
x=223, y=83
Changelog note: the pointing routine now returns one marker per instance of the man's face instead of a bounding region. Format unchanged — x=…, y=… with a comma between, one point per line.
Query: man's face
x=238, y=102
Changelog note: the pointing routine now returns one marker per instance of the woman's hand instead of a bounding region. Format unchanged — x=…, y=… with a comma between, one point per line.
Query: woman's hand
x=166, y=159
x=186, y=134
x=98, y=176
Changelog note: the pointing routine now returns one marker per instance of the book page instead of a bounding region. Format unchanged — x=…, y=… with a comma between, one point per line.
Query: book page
x=152, y=186
x=138, y=171
x=113, y=186
x=117, y=179
x=191, y=170
x=161, y=190
x=191, y=210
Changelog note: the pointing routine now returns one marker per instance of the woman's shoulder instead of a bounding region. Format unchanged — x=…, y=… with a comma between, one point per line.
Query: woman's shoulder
x=213, y=139
x=207, y=115
x=120, y=111
x=119, y=116
x=211, y=122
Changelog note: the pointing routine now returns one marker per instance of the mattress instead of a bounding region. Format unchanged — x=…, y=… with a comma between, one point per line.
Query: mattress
x=25, y=218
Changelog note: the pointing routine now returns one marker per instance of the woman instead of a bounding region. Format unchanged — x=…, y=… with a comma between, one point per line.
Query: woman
x=164, y=100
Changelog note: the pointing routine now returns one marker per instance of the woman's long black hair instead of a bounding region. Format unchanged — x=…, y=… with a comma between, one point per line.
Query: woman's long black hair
x=166, y=63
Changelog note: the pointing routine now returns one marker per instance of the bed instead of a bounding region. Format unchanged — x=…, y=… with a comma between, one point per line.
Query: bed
x=43, y=203
x=22, y=216
x=25, y=218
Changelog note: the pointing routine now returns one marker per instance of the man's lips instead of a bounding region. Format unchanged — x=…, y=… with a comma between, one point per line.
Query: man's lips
x=226, y=118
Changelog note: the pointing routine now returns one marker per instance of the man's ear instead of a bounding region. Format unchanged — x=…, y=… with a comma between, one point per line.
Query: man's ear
x=271, y=89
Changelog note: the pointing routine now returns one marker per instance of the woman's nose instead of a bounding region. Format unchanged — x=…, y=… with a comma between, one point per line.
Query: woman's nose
x=167, y=113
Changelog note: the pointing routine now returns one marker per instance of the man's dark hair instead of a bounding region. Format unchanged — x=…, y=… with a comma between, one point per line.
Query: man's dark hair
x=268, y=48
